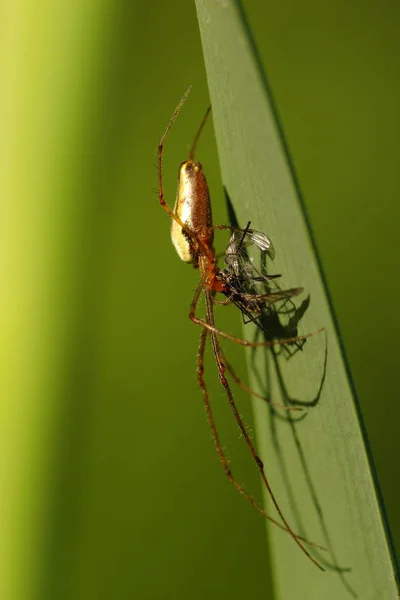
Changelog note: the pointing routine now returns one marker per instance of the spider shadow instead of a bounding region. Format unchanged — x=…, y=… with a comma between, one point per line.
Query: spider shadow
x=280, y=323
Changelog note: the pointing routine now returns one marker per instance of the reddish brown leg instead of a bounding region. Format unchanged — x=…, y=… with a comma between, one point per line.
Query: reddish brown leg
x=196, y=139
x=222, y=302
x=213, y=329
x=230, y=227
x=257, y=459
x=159, y=162
x=220, y=452
x=252, y=392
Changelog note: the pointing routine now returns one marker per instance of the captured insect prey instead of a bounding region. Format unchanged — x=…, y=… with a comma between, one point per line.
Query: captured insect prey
x=253, y=292
x=239, y=283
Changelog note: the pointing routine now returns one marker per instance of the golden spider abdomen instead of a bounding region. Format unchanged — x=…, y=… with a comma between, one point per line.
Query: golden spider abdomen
x=193, y=208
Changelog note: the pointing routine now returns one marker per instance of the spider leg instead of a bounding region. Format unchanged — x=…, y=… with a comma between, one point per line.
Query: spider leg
x=252, y=392
x=210, y=327
x=257, y=459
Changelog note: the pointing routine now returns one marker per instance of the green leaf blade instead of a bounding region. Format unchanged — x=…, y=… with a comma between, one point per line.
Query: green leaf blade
x=319, y=468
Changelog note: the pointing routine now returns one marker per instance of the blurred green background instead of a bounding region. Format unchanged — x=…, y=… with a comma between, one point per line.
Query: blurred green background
x=111, y=484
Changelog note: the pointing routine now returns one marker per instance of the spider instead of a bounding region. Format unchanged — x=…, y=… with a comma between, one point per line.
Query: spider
x=192, y=233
